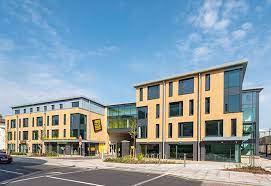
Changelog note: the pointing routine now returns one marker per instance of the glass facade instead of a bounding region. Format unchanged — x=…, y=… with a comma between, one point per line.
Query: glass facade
x=153, y=92
x=178, y=151
x=223, y=152
x=186, y=86
x=232, y=90
x=142, y=112
x=121, y=116
x=78, y=125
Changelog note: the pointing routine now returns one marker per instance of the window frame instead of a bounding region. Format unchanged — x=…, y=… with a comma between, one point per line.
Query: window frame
x=207, y=82
x=151, y=95
x=181, y=130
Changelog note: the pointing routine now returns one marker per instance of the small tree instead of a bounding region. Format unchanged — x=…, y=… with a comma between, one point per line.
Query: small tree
x=133, y=134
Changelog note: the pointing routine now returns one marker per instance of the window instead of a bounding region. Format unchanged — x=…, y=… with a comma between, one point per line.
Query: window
x=25, y=135
x=48, y=120
x=186, y=129
x=14, y=136
x=170, y=89
x=214, y=128
x=39, y=121
x=232, y=90
x=24, y=110
x=141, y=94
x=74, y=133
x=61, y=106
x=186, y=86
x=13, y=123
x=157, y=110
x=207, y=82
x=19, y=123
x=64, y=133
x=157, y=131
x=153, y=92
x=55, y=133
x=142, y=131
x=25, y=122
x=33, y=122
x=64, y=119
x=191, y=107
x=45, y=108
x=35, y=135
x=142, y=112
x=31, y=110
x=233, y=127
x=17, y=111
x=170, y=130
x=7, y=124
x=48, y=134
x=19, y=135
x=9, y=135
x=53, y=107
x=176, y=109
x=207, y=105
x=55, y=120
x=75, y=104
x=38, y=109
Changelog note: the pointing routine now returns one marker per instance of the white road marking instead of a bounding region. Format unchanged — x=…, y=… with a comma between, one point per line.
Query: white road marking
x=63, y=173
x=13, y=172
x=146, y=181
x=25, y=179
x=74, y=181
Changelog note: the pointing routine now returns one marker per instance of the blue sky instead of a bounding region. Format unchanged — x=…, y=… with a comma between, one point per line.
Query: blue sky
x=52, y=49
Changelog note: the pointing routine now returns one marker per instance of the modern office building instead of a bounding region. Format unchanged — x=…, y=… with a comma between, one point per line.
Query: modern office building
x=204, y=114
x=2, y=133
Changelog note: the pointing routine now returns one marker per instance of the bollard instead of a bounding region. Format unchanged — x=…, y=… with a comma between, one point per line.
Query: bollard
x=184, y=159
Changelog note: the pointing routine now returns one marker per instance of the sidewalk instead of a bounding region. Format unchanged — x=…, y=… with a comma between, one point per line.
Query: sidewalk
x=204, y=171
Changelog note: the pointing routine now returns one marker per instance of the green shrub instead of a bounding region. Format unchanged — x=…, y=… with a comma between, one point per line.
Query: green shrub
x=129, y=160
x=51, y=154
x=140, y=156
x=18, y=153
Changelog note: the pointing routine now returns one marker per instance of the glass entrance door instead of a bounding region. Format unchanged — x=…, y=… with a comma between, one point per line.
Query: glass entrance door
x=112, y=149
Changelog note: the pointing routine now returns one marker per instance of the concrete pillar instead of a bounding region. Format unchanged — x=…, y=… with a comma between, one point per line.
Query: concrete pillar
x=195, y=151
x=237, y=153
x=202, y=152
x=125, y=148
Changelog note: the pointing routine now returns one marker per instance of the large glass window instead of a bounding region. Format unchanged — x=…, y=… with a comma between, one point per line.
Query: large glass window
x=55, y=133
x=207, y=82
x=78, y=125
x=25, y=122
x=35, y=135
x=175, y=109
x=17, y=111
x=9, y=135
x=39, y=121
x=55, y=120
x=186, y=86
x=249, y=104
x=75, y=104
x=232, y=90
x=185, y=129
x=13, y=123
x=170, y=89
x=153, y=92
x=223, y=152
x=25, y=135
x=142, y=112
x=141, y=94
x=214, y=128
x=142, y=131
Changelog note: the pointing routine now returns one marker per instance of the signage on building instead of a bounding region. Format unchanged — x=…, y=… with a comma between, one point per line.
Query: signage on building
x=97, y=125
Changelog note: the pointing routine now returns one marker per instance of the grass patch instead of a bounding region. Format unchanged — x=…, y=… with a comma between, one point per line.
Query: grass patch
x=129, y=160
x=249, y=169
x=18, y=153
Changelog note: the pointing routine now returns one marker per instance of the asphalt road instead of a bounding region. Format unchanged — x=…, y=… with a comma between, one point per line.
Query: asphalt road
x=36, y=173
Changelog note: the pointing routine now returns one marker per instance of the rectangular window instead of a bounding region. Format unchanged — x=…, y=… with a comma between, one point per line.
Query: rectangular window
x=45, y=108
x=142, y=112
x=170, y=89
x=55, y=120
x=61, y=106
x=232, y=90
x=185, y=129
x=48, y=120
x=9, y=135
x=207, y=105
x=141, y=94
x=214, y=128
x=233, y=127
x=191, y=107
x=157, y=131
x=25, y=135
x=38, y=109
x=170, y=130
x=25, y=122
x=19, y=135
x=186, y=86
x=53, y=107
x=14, y=136
x=153, y=92
x=24, y=110
x=48, y=134
x=64, y=133
x=19, y=123
x=75, y=104
x=157, y=110
x=17, y=111
x=176, y=109
x=207, y=82
x=33, y=122
x=31, y=110
x=55, y=133
x=13, y=123
x=35, y=135
x=64, y=119
x=142, y=131
x=39, y=121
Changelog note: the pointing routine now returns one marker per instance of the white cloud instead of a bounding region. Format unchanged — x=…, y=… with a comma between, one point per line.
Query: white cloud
x=238, y=34
x=201, y=52
x=194, y=37
x=246, y=26
x=223, y=24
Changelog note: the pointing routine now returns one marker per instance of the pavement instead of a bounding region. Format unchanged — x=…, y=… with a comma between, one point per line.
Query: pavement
x=95, y=171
